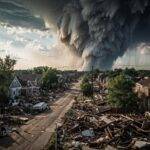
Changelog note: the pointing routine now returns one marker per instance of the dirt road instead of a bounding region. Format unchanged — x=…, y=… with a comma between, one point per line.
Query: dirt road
x=36, y=134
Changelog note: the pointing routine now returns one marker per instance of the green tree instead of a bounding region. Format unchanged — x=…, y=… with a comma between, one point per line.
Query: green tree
x=50, y=79
x=40, y=70
x=3, y=94
x=96, y=72
x=7, y=64
x=120, y=93
x=85, y=79
x=114, y=73
x=6, y=72
x=130, y=72
x=86, y=87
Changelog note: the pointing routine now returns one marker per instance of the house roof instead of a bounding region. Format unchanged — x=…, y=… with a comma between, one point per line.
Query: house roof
x=24, y=78
x=29, y=77
x=145, y=82
x=15, y=83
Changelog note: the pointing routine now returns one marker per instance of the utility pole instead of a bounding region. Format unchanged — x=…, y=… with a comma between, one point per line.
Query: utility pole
x=99, y=83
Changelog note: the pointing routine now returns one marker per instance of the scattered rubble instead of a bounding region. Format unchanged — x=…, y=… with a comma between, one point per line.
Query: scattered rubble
x=91, y=123
x=4, y=130
x=13, y=120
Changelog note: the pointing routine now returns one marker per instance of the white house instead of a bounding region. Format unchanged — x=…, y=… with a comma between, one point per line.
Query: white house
x=15, y=88
x=26, y=85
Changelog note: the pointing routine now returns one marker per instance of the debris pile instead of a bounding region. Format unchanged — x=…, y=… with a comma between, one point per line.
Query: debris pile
x=87, y=123
x=13, y=120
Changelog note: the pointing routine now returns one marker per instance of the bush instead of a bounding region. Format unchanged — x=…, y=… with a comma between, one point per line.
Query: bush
x=3, y=95
x=85, y=79
x=52, y=142
x=86, y=88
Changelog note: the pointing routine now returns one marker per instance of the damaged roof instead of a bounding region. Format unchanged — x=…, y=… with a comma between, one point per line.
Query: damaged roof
x=145, y=82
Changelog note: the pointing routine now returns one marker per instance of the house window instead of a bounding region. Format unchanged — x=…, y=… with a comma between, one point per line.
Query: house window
x=19, y=91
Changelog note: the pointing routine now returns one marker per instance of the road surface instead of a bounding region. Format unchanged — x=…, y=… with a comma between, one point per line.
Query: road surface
x=36, y=134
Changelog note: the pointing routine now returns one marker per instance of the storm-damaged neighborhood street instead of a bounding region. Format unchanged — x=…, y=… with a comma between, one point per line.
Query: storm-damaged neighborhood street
x=36, y=133
x=58, y=110
x=74, y=75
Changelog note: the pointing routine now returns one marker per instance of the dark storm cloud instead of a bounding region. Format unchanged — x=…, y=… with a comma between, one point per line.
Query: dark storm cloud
x=50, y=9
x=13, y=12
x=99, y=31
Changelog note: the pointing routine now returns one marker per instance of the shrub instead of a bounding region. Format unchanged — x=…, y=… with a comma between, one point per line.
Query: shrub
x=86, y=89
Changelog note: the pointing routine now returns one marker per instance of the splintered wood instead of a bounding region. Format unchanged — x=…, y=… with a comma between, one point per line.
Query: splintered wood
x=91, y=123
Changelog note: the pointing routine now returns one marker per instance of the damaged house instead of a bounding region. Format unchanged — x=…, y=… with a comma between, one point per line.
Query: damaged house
x=15, y=88
x=25, y=85
x=142, y=88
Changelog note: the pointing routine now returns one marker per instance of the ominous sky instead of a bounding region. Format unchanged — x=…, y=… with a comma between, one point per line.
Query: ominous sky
x=26, y=37
x=36, y=32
